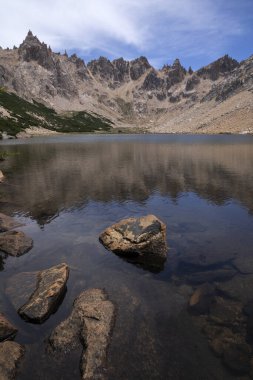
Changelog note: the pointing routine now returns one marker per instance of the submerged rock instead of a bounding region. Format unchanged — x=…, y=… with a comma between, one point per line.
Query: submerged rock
x=201, y=299
x=136, y=236
x=237, y=358
x=7, y=223
x=10, y=355
x=50, y=289
x=7, y=330
x=222, y=274
x=90, y=324
x=15, y=243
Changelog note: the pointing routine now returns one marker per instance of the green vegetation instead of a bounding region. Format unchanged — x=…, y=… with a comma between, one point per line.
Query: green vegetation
x=24, y=115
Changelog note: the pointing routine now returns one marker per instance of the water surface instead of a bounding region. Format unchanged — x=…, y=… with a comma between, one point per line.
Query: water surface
x=67, y=189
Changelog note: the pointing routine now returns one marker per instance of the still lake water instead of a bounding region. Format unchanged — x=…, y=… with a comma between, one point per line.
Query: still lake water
x=67, y=189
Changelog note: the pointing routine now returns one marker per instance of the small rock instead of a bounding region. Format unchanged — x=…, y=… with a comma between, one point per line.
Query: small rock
x=90, y=324
x=15, y=243
x=10, y=355
x=1, y=176
x=201, y=299
x=7, y=330
x=50, y=289
x=136, y=236
x=7, y=223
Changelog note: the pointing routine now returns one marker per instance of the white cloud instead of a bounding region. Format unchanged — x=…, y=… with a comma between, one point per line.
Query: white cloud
x=161, y=27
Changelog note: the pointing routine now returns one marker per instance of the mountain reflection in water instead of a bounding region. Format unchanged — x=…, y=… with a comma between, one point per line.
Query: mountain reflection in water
x=44, y=179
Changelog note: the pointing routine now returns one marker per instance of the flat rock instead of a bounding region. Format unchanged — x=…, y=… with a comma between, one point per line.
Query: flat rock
x=201, y=299
x=15, y=243
x=50, y=289
x=228, y=313
x=136, y=236
x=8, y=223
x=90, y=324
x=7, y=330
x=10, y=356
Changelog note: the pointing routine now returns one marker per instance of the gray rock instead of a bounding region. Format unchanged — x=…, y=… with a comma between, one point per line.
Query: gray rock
x=48, y=294
x=10, y=356
x=136, y=236
x=7, y=223
x=7, y=330
x=91, y=324
x=15, y=243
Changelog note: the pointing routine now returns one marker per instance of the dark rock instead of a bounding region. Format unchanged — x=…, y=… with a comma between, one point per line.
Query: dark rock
x=192, y=82
x=237, y=358
x=7, y=223
x=136, y=236
x=10, y=356
x=201, y=299
x=90, y=324
x=222, y=274
x=7, y=330
x=152, y=82
x=15, y=243
x=222, y=65
x=138, y=67
x=50, y=290
x=174, y=98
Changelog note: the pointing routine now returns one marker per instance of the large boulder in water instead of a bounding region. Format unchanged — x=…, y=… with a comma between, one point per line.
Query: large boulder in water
x=89, y=324
x=51, y=286
x=143, y=236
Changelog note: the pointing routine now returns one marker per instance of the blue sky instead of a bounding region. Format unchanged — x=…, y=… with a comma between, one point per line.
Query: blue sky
x=195, y=31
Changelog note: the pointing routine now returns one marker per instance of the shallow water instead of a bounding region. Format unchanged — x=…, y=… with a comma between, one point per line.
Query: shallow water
x=67, y=189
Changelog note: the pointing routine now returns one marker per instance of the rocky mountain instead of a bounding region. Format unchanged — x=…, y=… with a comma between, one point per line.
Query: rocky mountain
x=215, y=98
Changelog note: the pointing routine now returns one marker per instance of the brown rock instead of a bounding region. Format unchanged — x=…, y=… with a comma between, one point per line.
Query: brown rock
x=10, y=355
x=201, y=299
x=7, y=330
x=50, y=290
x=1, y=176
x=89, y=323
x=136, y=236
x=7, y=223
x=15, y=243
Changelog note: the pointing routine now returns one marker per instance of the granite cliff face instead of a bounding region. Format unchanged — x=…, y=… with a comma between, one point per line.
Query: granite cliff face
x=172, y=99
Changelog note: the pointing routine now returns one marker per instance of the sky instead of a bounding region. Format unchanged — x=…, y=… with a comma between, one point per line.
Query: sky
x=195, y=31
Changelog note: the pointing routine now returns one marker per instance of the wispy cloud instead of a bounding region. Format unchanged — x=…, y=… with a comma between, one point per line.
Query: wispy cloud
x=159, y=29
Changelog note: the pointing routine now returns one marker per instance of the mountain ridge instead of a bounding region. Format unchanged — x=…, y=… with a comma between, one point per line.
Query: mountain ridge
x=133, y=93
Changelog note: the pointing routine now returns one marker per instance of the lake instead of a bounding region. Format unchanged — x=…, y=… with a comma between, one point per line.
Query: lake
x=68, y=189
